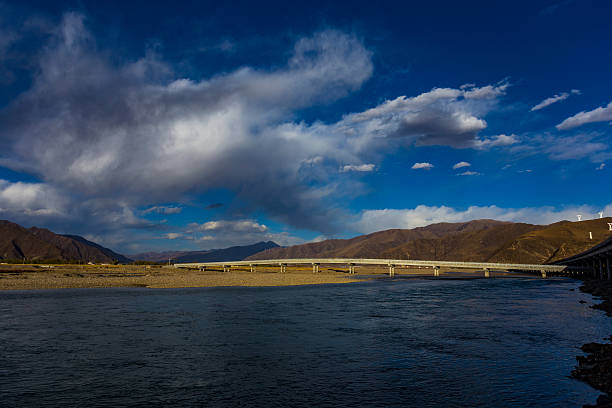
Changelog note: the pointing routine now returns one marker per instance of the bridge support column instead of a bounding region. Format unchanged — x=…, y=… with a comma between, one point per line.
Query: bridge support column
x=601, y=273
x=543, y=273
x=391, y=270
x=436, y=271
x=487, y=273
x=283, y=268
x=351, y=269
x=226, y=268
x=315, y=268
x=252, y=268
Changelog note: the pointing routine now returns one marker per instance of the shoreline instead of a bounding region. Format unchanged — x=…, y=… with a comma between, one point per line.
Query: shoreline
x=595, y=368
x=35, y=277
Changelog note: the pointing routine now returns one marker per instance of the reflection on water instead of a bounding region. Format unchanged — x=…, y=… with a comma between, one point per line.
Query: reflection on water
x=423, y=343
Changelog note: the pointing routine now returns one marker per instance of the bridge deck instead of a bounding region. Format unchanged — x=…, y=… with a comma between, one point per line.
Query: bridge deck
x=379, y=262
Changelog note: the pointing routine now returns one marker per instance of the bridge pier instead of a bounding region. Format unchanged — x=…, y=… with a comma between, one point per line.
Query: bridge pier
x=226, y=268
x=283, y=268
x=391, y=270
x=543, y=273
x=351, y=269
x=601, y=273
x=608, y=268
x=315, y=268
x=487, y=273
x=436, y=271
x=252, y=268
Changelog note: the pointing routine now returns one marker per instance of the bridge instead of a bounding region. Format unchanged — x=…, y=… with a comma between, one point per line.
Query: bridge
x=391, y=264
x=594, y=262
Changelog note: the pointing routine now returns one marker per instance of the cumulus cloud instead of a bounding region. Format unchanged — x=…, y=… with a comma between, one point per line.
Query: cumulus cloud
x=357, y=167
x=495, y=141
x=115, y=135
x=425, y=166
x=461, y=165
x=422, y=215
x=442, y=116
x=223, y=233
x=32, y=200
x=601, y=166
x=554, y=99
x=601, y=114
x=134, y=132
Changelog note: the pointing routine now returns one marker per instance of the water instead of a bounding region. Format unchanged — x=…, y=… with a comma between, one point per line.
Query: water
x=422, y=343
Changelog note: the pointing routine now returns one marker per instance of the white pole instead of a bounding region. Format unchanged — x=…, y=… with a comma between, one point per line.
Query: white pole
x=590, y=235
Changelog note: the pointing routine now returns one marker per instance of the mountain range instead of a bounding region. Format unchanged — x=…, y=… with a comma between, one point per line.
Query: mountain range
x=479, y=240
x=234, y=253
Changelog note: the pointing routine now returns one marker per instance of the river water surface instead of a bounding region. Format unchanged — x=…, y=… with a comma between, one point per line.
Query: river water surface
x=413, y=342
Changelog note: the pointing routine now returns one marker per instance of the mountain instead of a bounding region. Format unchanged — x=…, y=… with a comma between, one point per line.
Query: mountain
x=479, y=240
x=235, y=253
x=373, y=245
x=37, y=244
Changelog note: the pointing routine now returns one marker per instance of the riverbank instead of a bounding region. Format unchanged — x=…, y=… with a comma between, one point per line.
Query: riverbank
x=596, y=367
x=25, y=277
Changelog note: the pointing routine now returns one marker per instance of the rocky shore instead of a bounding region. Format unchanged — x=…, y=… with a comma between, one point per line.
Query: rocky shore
x=596, y=367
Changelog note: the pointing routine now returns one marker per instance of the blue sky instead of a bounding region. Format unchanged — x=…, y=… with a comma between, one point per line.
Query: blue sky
x=202, y=125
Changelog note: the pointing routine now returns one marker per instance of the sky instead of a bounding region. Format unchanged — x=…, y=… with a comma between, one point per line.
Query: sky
x=200, y=125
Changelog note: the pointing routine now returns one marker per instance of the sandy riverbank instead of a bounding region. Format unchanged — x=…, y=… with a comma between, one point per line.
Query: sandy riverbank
x=94, y=276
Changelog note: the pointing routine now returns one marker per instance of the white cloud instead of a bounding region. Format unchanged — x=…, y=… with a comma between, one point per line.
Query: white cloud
x=601, y=114
x=358, y=167
x=461, y=165
x=32, y=200
x=173, y=235
x=469, y=173
x=376, y=220
x=426, y=166
x=224, y=225
x=224, y=233
x=601, y=166
x=495, y=141
x=115, y=136
x=554, y=99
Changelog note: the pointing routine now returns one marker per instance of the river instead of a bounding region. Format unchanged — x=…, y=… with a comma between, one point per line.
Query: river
x=393, y=342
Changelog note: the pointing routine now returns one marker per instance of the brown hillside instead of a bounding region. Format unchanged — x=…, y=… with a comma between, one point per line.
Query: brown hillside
x=477, y=246
x=373, y=245
x=556, y=241
x=480, y=240
x=37, y=244
x=17, y=242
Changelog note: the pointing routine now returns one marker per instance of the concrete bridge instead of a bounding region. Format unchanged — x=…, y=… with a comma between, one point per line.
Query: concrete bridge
x=593, y=263
x=391, y=264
